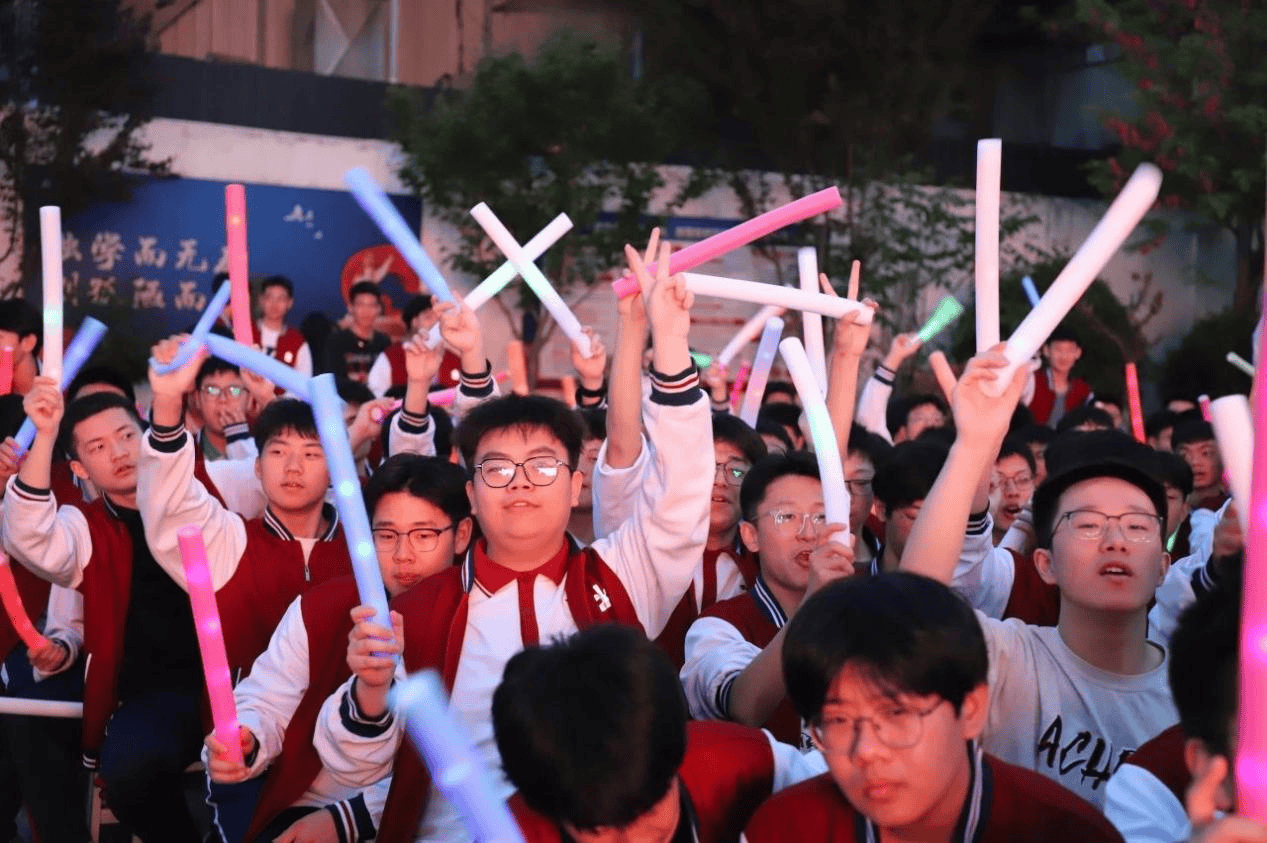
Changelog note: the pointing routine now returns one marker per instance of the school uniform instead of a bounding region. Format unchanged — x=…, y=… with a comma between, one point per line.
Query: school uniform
x=389, y=371
x=1145, y=797
x=1049, y=406
x=287, y=345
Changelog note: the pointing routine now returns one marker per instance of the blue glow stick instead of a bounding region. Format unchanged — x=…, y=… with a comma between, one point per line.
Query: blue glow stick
x=265, y=365
x=86, y=340
x=456, y=768
x=760, y=375
x=1031, y=292
x=328, y=412
x=201, y=329
x=375, y=203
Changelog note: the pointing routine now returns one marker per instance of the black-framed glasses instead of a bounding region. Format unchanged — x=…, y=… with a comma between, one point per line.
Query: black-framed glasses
x=897, y=727
x=859, y=485
x=1091, y=524
x=732, y=471
x=421, y=539
x=230, y=391
x=497, y=473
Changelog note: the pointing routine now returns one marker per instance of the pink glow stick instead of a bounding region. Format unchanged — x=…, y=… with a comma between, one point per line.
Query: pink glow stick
x=1203, y=401
x=445, y=397
x=378, y=414
x=6, y=370
x=13, y=608
x=741, y=381
x=239, y=278
x=215, y=664
x=1137, y=406
x=1251, y=750
x=698, y=254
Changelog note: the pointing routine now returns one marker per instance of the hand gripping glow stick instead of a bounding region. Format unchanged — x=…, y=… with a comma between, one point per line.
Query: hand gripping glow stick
x=378, y=414
x=748, y=333
x=943, y=373
x=51, y=253
x=201, y=329
x=1251, y=749
x=1234, y=432
x=328, y=411
x=830, y=468
x=532, y=275
x=761, y=364
x=215, y=664
x=1240, y=363
x=6, y=370
x=445, y=397
x=989, y=181
x=380, y=209
x=741, y=381
x=456, y=768
x=948, y=310
x=811, y=323
x=504, y=274
x=789, y=297
x=1135, y=403
x=264, y=365
x=13, y=607
x=1105, y=239
x=40, y=708
x=239, y=263
x=698, y=254
x=1031, y=292
x=81, y=347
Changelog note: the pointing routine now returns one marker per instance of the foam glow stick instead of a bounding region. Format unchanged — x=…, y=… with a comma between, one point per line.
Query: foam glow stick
x=1031, y=292
x=517, y=367
x=748, y=333
x=787, y=297
x=203, y=326
x=986, y=267
x=504, y=274
x=698, y=254
x=13, y=607
x=6, y=370
x=81, y=347
x=1234, y=433
x=374, y=202
x=378, y=415
x=1105, y=239
x=264, y=365
x=830, y=468
x=51, y=254
x=567, y=386
x=948, y=310
x=1240, y=363
x=40, y=708
x=1136, y=405
x=943, y=373
x=741, y=381
x=766, y=351
x=215, y=664
x=811, y=323
x=701, y=360
x=239, y=263
x=445, y=397
x=328, y=410
x=1203, y=401
x=532, y=275
x=456, y=768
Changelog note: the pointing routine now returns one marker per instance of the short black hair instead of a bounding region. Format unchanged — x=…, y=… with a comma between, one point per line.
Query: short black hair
x=900, y=407
x=1035, y=434
x=1190, y=432
x=1014, y=447
x=101, y=375
x=361, y=288
x=20, y=317
x=1086, y=414
x=1063, y=333
x=212, y=366
x=595, y=419
x=734, y=430
x=278, y=281
x=281, y=415
x=431, y=479
x=1203, y=660
x=908, y=472
x=767, y=426
x=1173, y=470
x=1079, y=447
x=352, y=392
x=591, y=729
x=1159, y=421
x=523, y=413
x=788, y=415
x=873, y=446
x=1113, y=398
x=768, y=469
x=414, y=306
x=778, y=388
x=905, y=633
x=82, y=409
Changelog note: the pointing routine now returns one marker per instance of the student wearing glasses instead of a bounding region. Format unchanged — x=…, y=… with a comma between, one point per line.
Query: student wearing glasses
x=220, y=399
x=890, y=672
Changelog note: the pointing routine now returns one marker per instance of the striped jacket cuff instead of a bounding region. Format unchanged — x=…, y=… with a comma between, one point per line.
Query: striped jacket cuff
x=31, y=492
x=415, y=424
x=352, y=821
x=237, y=432
x=978, y=523
x=169, y=440
x=478, y=384
x=360, y=724
x=675, y=390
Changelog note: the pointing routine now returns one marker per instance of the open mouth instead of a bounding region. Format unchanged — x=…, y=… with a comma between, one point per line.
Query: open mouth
x=1115, y=571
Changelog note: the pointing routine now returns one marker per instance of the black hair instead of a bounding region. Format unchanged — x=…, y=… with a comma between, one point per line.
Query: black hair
x=1014, y=447
x=1110, y=398
x=12, y=414
x=1032, y=434
x=591, y=729
x=1078, y=447
x=1173, y=470
x=281, y=415
x=1159, y=421
x=900, y=408
x=82, y=409
x=905, y=633
x=735, y=431
x=943, y=436
x=873, y=446
x=788, y=415
x=778, y=388
x=316, y=328
x=1063, y=333
x=278, y=281
x=413, y=307
x=767, y=426
x=1191, y=431
x=443, y=424
x=20, y=317
x=1203, y=660
x=212, y=366
x=431, y=479
x=1086, y=414
x=1022, y=417
x=908, y=472
x=1130, y=461
x=352, y=392
x=364, y=288
x=768, y=469
x=101, y=375
x=524, y=413
x=595, y=419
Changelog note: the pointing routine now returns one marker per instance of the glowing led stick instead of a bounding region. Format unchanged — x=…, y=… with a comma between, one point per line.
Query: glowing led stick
x=328, y=411
x=239, y=263
x=1136, y=404
x=379, y=414
x=830, y=468
x=1251, y=733
x=791, y=298
x=380, y=209
x=811, y=323
x=264, y=365
x=1234, y=433
x=1203, y=401
x=6, y=370
x=748, y=333
x=1240, y=363
x=1105, y=239
x=51, y=254
x=766, y=351
x=986, y=267
x=532, y=275
x=701, y=360
x=504, y=274
x=737, y=389
x=1031, y=292
x=948, y=310
x=943, y=373
x=13, y=607
x=456, y=768
x=204, y=325
x=698, y=254
x=215, y=664
x=81, y=347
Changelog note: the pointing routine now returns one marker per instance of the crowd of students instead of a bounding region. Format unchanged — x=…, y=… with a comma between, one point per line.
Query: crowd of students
x=1029, y=633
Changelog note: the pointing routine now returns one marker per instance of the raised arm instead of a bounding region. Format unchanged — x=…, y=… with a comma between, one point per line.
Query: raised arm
x=876, y=393
x=460, y=328
x=848, y=345
x=624, y=396
x=591, y=371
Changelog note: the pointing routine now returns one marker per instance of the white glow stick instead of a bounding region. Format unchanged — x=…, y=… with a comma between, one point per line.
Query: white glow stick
x=989, y=181
x=811, y=323
x=51, y=253
x=748, y=333
x=789, y=297
x=760, y=375
x=1240, y=363
x=1105, y=239
x=830, y=468
x=550, y=300
x=504, y=274
x=1234, y=431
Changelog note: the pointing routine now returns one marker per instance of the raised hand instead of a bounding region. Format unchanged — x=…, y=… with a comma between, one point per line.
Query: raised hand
x=633, y=309
x=593, y=369
x=421, y=362
x=851, y=336
x=371, y=657
x=830, y=560
x=177, y=383
x=219, y=767
x=978, y=415
x=461, y=331
x=50, y=657
x=904, y=345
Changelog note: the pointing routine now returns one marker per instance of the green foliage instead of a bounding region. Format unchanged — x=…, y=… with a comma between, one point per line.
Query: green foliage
x=1198, y=365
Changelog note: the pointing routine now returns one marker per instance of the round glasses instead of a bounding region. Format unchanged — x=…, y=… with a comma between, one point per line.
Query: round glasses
x=794, y=522
x=897, y=728
x=1090, y=524
x=497, y=473
x=421, y=539
x=231, y=391
x=732, y=471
